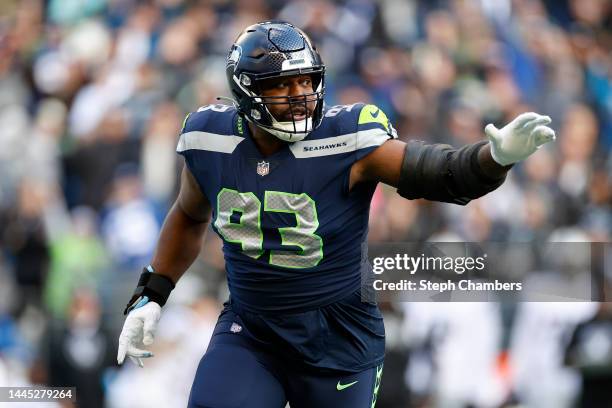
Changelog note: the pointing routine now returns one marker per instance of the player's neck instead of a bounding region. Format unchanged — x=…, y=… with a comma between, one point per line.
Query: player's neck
x=266, y=143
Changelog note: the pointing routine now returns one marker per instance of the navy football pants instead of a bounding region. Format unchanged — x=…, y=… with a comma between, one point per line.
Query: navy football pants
x=235, y=373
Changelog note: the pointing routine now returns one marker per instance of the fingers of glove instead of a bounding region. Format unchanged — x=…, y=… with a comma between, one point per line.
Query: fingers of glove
x=150, y=320
x=524, y=118
x=124, y=342
x=137, y=361
x=121, y=351
x=134, y=351
x=543, y=134
x=150, y=325
x=539, y=121
x=130, y=334
x=492, y=133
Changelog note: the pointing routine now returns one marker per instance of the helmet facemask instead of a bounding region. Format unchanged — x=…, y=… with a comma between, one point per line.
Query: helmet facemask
x=294, y=128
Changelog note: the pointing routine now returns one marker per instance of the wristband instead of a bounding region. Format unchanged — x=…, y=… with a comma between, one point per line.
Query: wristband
x=152, y=287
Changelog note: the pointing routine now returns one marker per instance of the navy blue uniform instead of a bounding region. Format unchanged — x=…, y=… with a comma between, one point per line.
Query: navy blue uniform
x=294, y=240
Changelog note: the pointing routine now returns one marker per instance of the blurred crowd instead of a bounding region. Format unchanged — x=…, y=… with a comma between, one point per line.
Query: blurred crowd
x=92, y=97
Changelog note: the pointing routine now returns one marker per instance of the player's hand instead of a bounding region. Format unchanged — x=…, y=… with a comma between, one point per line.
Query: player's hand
x=520, y=138
x=138, y=332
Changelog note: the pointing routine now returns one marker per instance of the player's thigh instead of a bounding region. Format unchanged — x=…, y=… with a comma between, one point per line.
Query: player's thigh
x=231, y=375
x=357, y=390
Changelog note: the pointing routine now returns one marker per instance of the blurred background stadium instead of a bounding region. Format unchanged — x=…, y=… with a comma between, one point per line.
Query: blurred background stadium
x=92, y=96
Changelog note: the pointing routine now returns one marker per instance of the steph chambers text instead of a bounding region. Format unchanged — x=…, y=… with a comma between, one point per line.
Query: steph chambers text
x=461, y=285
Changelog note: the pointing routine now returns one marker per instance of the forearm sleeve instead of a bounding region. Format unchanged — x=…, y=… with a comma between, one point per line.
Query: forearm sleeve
x=439, y=172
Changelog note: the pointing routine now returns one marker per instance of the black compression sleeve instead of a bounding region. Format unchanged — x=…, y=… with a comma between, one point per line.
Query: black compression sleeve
x=438, y=172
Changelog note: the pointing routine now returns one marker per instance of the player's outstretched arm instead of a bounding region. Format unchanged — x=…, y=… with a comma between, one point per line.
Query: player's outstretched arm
x=440, y=172
x=178, y=246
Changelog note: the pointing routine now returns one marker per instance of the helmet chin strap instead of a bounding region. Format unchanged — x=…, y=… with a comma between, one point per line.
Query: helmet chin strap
x=286, y=131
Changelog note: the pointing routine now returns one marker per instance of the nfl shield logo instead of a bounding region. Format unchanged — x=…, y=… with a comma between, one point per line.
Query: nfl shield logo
x=236, y=328
x=263, y=168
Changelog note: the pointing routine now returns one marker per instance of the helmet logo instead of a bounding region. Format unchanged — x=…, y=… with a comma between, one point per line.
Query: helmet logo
x=263, y=168
x=255, y=114
x=234, y=55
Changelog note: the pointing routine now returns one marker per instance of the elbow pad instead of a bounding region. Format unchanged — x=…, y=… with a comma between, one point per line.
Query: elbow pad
x=439, y=172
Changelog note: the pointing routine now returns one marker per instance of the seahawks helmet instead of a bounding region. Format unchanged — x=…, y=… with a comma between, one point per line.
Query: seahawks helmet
x=273, y=50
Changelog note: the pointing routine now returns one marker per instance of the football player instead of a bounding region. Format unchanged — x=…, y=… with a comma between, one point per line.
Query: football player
x=287, y=185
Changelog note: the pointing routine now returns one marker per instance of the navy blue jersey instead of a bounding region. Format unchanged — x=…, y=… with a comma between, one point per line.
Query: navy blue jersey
x=293, y=235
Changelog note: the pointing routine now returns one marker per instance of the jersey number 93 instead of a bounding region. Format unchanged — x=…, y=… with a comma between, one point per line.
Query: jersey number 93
x=248, y=232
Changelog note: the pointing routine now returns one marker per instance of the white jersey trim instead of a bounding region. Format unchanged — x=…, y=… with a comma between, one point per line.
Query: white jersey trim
x=339, y=144
x=208, y=141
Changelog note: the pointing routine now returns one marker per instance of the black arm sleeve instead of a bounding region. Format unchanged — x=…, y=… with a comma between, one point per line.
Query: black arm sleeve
x=438, y=172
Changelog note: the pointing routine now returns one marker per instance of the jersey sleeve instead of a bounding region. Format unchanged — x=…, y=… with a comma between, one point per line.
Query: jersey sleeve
x=373, y=129
x=210, y=129
x=186, y=142
x=207, y=135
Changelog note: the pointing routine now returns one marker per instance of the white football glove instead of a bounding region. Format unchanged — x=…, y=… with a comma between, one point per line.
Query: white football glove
x=520, y=138
x=138, y=332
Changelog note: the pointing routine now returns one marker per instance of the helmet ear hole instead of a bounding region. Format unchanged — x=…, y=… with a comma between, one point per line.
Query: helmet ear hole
x=245, y=80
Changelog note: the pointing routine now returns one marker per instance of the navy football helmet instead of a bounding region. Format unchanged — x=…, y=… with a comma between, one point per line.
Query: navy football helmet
x=272, y=50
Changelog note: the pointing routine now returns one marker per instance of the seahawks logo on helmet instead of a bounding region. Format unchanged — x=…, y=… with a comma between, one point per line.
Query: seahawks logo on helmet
x=234, y=55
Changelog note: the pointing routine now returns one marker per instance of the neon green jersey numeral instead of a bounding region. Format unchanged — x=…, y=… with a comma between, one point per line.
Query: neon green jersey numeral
x=248, y=232
x=302, y=235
